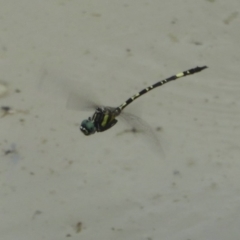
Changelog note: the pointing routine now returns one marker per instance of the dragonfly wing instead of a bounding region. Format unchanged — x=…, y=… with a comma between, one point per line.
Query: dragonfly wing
x=79, y=102
x=138, y=125
x=66, y=90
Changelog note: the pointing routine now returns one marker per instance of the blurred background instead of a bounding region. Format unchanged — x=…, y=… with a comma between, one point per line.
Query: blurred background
x=57, y=183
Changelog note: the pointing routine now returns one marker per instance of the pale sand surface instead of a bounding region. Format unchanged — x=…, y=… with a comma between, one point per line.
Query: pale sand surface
x=57, y=183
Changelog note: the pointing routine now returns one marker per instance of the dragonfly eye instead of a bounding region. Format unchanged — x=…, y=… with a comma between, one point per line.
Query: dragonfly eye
x=87, y=127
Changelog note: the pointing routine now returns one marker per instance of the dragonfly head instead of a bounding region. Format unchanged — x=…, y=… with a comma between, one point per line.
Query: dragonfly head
x=87, y=127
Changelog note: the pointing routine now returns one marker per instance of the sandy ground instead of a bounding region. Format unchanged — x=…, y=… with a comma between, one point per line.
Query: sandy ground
x=58, y=184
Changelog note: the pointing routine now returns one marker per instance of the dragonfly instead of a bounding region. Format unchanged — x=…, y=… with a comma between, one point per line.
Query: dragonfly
x=105, y=117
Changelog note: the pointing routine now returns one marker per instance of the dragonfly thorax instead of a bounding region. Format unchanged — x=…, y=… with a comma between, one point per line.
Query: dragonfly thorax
x=103, y=119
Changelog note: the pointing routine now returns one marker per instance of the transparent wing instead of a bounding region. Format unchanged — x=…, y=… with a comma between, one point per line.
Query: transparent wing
x=69, y=90
x=138, y=125
x=80, y=102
